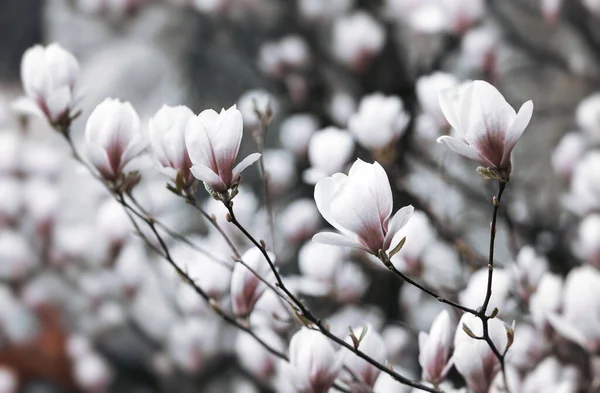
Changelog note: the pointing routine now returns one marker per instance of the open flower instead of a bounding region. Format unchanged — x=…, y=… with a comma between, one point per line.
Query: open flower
x=213, y=142
x=487, y=126
x=49, y=76
x=113, y=138
x=359, y=206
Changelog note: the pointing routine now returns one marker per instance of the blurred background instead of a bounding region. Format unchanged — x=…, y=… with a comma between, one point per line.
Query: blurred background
x=86, y=307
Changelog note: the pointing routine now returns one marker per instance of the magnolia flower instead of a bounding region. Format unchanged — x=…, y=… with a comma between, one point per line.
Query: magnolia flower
x=546, y=300
x=359, y=206
x=488, y=127
x=530, y=267
x=428, y=88
x=587, y=116
x=113, y=138
x=380, y=120
x=213, y=142
x=587, y=245
x=357, y=38
x=49, y=76
x=247, y=288
x=295, y=133
x=254, y=357
x=584, y=193
x=479, y=48
x=434, y=348
x=314, y=364
x=476, y=290
x=370, y=343
x=167, y=138
x=473, y=358
x=328, y=152
x=567, y=153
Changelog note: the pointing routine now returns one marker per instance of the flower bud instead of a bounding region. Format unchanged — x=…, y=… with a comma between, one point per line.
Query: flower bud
x=167, y=139
x=434, y=348
x=368, y=341
x=49, y=76
x=112, y=136
x=246, y=288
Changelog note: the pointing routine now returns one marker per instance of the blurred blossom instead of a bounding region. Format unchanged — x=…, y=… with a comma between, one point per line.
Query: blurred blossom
x=357, y=38
x=587, y=116
x=42, y=159
x=550, y=9
x=420, y=309
x=280, y=170
x=192, y=342
x=434, y=348
x=580, y=315
x=300, y=220
x=329, y=151
x=272, y=312
x=10, y=151
x=545, y=300
x=113, y=223
x=42, y=211
x=113, y=137
x=256, y=358
x=474, y=359
x=474, y=294
x=110, y=7
x=16, y=254
x=373, y=346
x=428, y=88
x=442, y=267
x=318, y=10
x=387, y=384
x=295, y=133
x=213, y=142
x=210, y=7
x=8, y=380
x=166, y=131
x=488, y=127
x=246, y=288
x=528, y=348
x=379, y=122
x=254, y=100
x=419, y=235
x=289, y=53
x=341, y=107
x=479, y=48
x=593, y=6
x=314, y=364
x=530, y=267
x=587, y=245
x=49, y=75
x=567, y=154
x=512, y=378
x=350, y=284
x=131, y=267
x=360, y=207
x=399, y=343
x=320, y=261
x=11, y=199
x=584, y=193
x=92, y=373
x=551, y=376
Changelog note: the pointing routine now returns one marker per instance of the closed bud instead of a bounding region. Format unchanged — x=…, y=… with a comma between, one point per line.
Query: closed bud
x=434, y=348
x=246, y=288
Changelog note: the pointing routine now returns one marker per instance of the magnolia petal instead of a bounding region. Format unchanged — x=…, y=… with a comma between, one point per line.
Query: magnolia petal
x=516, y=129
x=449, y=104
x=324, y=191
x=245, y=163
x=227, y=138
x=25, y=106
x=208, y=176
x=567, y=330
x=375, y=178
x=462, y=148
x=58, y=103
x=198, y=144
x=397, y=222
x=336, y=239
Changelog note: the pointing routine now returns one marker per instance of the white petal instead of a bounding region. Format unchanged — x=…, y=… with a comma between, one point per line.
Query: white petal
x=396, y=223
x=335, y=239
x=462, y=148
x=516, y=129
x=375, y=178
x=208, y=176
x=245, y=163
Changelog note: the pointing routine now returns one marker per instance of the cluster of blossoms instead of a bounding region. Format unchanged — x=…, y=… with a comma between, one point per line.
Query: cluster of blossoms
x=254, y=275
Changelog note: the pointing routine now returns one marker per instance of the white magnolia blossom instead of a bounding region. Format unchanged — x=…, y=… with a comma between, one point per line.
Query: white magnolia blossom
x=300, y=220
x=8, y=380
x=360, y=207
x=280, y=170
x=289, y=53
x=487, y=126
x=380, y=121
x=472, y=296
x=213, y=142
x=546, y=300
x=247, y=288
x=254, y=357
x=434, y=348
x=587, y=116
x=587, y=245
x=357, y=38
x=92, y=373
x=256, y=100
x=551, y=376
x=474, y=359
x=113, y=138
x=530, y=267
x=295, y=133
x=49, y=75
x=314, y=363
x=320, y=261
x=329, y=151
x=580, y=315
x=567, y=154
x=166, y=131
x=428, y=88
x=341, y=106
x=584, y=193
x=373, y=346
x=479, y=48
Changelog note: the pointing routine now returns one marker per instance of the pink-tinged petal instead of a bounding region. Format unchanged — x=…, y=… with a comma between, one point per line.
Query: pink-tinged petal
x=99, y=160
x=25, y=106
x=208, y=176
x=462, y=148
x=324, y=191
x=450, y=101
x=134, y=149
x=353, y=208
x=373, y=177
x=567, y=330
x=226, y=140
x=516, y=129
x=198, y=144
x=396, y=223
x=335, y=239
x=245, y=163
x=58, y=103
